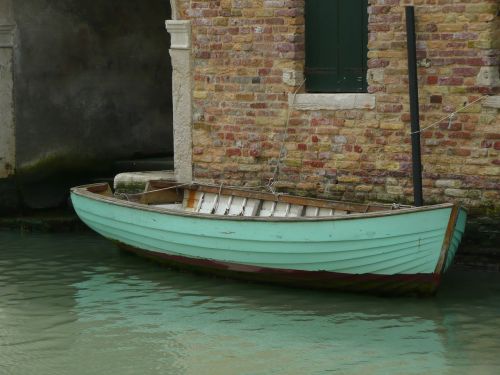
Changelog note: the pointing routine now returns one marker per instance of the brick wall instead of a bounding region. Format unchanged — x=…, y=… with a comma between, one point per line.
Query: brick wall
x=245, y=52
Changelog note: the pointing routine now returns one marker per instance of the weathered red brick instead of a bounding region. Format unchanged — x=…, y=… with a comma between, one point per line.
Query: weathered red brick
x=436, y=99
x=233, y=152
x=241, y=50
x=432, y=80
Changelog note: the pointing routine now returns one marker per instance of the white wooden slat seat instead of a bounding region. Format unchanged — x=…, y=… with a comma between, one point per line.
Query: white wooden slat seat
x=237, y=206
x=295, y=210
x=223, y=205
x=251, y=207
x=234, y=205
x=325, y=212
x=312, y=211
x=208, y=203
x=340, y=213
x=267, y=208
x=281, y=209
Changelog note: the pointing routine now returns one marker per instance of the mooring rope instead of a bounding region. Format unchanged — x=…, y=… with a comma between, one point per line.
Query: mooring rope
x=450, y=117
x=272, y=181
x=270, y=186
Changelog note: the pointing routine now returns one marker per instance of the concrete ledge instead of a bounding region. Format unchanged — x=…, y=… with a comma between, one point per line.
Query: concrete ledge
x=52, y=221
x=135, y=182
x=331, y=101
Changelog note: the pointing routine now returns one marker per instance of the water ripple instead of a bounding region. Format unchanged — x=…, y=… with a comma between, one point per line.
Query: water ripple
x=73, y=304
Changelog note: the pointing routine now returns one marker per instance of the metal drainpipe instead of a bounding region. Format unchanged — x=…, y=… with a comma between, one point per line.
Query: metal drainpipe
x=414, y=113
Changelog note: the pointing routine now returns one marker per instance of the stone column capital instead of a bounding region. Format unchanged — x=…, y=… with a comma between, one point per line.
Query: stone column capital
x=180, y=33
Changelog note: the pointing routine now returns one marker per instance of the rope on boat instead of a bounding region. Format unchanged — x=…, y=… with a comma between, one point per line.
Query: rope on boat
x=123, y=196
x=216, y=204
x=126, y=196
x=270, y=186
x=171, y=187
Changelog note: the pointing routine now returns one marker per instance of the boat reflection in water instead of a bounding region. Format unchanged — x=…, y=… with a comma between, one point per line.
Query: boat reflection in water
x=233, y=332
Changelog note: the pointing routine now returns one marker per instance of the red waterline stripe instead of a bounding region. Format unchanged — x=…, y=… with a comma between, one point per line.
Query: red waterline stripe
x=421, y=283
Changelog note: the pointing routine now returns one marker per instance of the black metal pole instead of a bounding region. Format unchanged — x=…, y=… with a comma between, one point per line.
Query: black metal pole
x=415, y=121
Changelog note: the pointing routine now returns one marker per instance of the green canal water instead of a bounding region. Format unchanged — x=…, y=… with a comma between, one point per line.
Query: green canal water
x=74, y=304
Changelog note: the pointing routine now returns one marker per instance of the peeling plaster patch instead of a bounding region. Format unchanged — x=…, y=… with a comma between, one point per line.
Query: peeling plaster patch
x=492, y=101
x=488, y=76
x=292, y=77
x=376, y=75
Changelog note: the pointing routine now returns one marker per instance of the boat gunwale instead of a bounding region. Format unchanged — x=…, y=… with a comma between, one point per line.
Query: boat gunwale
x=84, y=191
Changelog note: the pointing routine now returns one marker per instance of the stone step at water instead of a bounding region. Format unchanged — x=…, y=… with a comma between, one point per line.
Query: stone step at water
x=135, y=182
x=131, y=175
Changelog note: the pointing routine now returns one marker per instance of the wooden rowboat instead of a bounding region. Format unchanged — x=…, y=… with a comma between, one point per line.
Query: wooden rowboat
x=286, y=239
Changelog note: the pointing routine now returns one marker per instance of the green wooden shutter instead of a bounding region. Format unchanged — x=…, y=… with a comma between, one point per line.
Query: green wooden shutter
x=336, y=45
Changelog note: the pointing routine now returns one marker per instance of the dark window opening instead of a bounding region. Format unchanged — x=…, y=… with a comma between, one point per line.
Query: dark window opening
x=336, y=45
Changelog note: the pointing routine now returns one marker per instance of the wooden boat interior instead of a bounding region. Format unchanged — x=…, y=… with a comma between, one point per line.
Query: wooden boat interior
x=229, y=201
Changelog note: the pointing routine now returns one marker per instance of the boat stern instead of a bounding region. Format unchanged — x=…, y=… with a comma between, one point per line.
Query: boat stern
x=456, y=237
x=452, y=238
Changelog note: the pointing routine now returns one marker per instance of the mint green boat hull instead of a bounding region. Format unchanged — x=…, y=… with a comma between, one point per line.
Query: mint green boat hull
x=406, y=245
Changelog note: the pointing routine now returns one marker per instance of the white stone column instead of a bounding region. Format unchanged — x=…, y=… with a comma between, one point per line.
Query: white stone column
x=175, y=12
x=182, y=78
x=7, y=131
